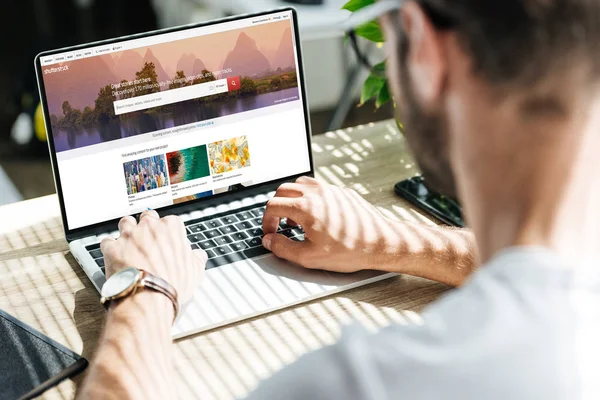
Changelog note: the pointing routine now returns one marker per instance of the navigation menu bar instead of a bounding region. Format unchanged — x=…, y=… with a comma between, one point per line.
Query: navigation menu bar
x=163, y=38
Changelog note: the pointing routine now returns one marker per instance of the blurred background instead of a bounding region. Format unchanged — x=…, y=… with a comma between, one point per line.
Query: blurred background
x=333, y=77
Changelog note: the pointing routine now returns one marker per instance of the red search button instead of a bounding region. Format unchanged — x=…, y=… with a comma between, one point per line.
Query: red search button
x=233, y=83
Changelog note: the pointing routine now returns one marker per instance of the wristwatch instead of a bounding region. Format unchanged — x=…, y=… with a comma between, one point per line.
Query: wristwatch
x=128, y=281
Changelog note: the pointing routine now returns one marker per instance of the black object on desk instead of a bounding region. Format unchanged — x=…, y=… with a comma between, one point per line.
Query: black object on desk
x=30, y=362
x=443, y=208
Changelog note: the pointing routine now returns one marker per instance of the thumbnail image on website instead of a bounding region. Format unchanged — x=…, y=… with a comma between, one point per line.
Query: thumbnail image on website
x=188, y=164
x=229, y=155
x=176, y=117
x=145, y=174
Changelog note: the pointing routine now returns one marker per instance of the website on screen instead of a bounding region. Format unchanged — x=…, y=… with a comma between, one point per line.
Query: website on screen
x=166, y=119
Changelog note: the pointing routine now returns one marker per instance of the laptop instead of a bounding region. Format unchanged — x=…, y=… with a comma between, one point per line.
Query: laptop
x=202, y=121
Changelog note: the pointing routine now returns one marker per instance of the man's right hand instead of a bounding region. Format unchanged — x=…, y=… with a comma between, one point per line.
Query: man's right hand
x=344, y=233
x=342, y=230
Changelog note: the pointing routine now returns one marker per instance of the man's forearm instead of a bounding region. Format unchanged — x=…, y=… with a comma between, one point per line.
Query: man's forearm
x=134, y=359
x=442, y=254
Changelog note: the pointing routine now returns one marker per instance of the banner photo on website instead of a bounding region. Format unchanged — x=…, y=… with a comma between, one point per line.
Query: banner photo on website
x=122, y=94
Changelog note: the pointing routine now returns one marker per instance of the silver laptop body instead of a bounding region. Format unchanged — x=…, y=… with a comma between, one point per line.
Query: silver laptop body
x=202, y=121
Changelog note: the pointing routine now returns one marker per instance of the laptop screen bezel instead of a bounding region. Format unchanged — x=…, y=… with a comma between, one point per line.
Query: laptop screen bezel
x=110, y=225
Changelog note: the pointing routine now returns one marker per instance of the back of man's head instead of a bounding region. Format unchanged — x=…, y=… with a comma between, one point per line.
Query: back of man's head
x=499, y=102
x=524, y=41
x=478, y=81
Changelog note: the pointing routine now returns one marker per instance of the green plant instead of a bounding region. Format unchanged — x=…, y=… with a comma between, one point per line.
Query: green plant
x=376, y=84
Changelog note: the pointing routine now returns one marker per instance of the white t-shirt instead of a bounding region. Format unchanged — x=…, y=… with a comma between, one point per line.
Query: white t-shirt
x=523, y=327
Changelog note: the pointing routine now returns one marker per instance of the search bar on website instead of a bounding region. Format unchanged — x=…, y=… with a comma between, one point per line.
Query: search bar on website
x=176, y=95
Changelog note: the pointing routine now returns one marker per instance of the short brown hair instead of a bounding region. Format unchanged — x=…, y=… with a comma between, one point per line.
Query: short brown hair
x=522, y=41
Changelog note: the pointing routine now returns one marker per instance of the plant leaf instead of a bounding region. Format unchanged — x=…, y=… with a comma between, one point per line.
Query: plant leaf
x=383, y=96
x=371, y=88
x=354, y=5
x=380, y=68
x=370, y=31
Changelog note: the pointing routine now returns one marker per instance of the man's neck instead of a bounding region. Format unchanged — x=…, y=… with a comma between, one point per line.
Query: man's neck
x=542, y=188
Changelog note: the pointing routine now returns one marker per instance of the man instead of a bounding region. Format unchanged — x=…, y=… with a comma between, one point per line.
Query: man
x=500, y=97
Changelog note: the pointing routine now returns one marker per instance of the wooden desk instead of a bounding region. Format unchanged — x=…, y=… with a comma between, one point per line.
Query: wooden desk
x=42, y=285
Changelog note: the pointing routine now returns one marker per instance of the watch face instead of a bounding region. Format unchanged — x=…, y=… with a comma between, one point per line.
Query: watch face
x=120, y=282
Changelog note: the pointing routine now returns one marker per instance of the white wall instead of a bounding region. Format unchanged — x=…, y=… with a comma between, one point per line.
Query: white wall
x=8, y=192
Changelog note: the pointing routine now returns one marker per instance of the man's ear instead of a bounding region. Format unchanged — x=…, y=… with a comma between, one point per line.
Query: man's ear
x=426, y=60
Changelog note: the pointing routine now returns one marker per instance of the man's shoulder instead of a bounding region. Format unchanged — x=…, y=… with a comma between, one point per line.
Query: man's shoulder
x=508, y=333
x=509, y=328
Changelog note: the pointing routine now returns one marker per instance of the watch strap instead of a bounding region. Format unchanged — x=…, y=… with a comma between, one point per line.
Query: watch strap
x=160, y=285
x=153, y=282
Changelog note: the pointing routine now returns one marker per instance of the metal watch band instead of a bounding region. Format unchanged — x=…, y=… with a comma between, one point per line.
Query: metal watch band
x=153, y=282
x=160, y=285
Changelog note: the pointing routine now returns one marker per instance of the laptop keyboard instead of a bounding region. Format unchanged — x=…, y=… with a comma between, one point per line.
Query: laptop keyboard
x=226, y=238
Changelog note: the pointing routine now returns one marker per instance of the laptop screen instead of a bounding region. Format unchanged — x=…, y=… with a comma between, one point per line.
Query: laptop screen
x=174, y=117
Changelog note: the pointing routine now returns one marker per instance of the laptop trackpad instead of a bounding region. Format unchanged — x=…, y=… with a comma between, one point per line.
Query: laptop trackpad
x=289, y=271
x=275, y=266
x=274, y=280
